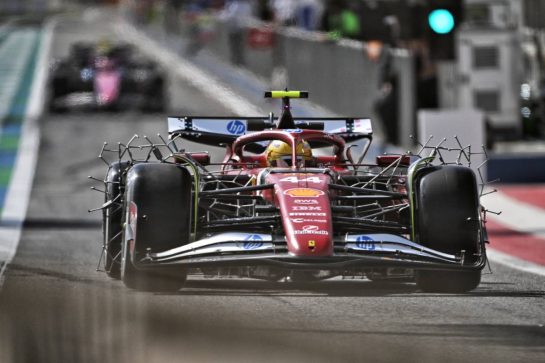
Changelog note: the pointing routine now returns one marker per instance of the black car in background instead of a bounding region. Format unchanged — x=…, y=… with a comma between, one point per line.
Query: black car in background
x=106, y=76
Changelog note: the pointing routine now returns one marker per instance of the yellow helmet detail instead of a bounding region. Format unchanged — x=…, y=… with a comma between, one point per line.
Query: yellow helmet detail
x=279, y=150
x=103, y=46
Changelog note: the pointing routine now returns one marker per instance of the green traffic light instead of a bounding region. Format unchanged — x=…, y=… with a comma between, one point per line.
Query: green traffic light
x=441, y=21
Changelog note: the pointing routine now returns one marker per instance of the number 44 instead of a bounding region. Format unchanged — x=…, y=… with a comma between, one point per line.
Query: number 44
x=294, y=179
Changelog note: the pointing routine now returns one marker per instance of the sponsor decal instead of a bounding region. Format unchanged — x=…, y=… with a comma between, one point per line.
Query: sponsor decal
x=311, y=229
x=236, y=127
x=306, y=208
x=310, y=214
x=305, y=220
x=311, y=243
x=304, y=192
x=322, y=233
x=365, y=243
x=131, y=230
x=362, y=125
x=305, y=201
x=294, y=179
x=252, y=242
x=294, y=131
x=86, y=74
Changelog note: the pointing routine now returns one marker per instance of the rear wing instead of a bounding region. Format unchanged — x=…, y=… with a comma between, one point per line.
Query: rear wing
x=225, y=130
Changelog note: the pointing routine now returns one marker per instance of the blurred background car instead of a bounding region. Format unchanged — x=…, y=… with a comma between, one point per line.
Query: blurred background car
x=106, y=76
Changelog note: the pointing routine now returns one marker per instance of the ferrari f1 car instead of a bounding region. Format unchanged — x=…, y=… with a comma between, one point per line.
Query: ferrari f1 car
x=106, y=76
x=288, y=201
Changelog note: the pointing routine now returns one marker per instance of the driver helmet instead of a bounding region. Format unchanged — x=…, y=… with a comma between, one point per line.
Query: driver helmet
x=279, y=153
x=104, y=47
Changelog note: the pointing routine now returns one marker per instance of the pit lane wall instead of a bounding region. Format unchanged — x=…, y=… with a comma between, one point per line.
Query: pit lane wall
x=339, y=74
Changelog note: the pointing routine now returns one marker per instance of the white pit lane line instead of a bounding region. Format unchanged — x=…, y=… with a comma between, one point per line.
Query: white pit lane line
x=18, y=194
x=514, y=262
x=516, y=215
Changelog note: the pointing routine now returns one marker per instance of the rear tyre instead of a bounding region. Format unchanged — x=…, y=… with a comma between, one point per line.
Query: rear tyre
x=158, y=209
x=155, y=97
x=60, y=85
x=154, y=105
x=447, y=220
x=112, y=219
x=54, y=107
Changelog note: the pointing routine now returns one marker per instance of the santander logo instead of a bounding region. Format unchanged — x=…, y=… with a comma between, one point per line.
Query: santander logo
x=311, y=229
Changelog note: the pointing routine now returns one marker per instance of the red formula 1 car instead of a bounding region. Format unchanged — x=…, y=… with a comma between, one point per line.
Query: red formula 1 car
x=288, y=201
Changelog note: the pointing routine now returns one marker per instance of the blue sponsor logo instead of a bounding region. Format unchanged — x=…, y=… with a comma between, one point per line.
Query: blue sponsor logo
x=86, y=74
x=252, y=242
x=294, y=131
x=236, y=127
x=365, y=243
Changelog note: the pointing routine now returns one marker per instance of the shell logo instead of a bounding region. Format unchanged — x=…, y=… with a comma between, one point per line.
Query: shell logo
x=304, y=192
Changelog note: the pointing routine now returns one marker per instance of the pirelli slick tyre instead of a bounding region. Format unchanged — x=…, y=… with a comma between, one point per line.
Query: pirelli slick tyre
x=56, y=92
x=447, y=220
x=112, y=219
x=155, y=99
x=158, y=210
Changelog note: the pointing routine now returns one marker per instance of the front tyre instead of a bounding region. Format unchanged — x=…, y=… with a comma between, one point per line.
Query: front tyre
x=112, y=219
x=447, y=220
x=159, y=280
x=158, y=212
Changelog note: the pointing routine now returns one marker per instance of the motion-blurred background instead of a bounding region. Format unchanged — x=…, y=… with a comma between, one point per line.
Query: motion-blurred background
x=388, y=59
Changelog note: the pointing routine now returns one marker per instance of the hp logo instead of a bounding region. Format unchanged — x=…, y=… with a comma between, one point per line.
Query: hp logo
x=236, y=127
x=365, y=243
x=252, y=242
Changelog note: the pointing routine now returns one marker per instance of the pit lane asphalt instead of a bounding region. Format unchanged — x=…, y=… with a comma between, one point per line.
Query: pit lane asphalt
x=54, y=307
